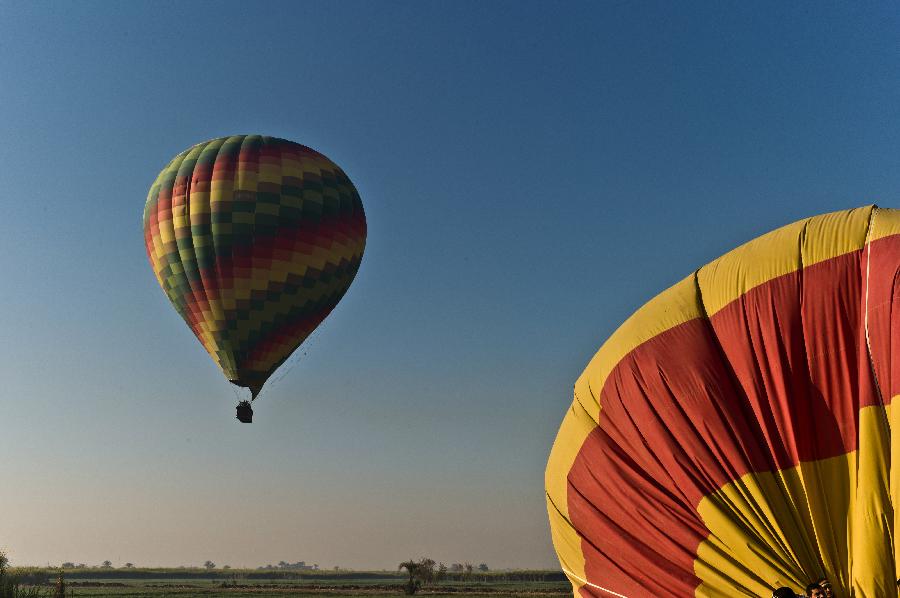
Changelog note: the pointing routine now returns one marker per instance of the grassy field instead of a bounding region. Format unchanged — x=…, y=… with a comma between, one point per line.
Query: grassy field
x=189, y=583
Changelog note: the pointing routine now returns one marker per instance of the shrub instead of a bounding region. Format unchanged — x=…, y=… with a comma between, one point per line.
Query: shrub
x=10, y=585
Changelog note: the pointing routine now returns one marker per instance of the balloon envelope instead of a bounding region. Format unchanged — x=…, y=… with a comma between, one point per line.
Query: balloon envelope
x=735, y=434
x=254, y=240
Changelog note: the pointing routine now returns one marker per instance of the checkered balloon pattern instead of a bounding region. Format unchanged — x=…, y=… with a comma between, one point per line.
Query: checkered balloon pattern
x=254, y=240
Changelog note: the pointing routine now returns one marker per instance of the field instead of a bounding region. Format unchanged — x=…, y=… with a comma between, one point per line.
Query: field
x=189, y=583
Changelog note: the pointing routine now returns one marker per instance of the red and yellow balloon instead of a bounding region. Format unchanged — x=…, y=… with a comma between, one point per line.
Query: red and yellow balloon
x=735, y=434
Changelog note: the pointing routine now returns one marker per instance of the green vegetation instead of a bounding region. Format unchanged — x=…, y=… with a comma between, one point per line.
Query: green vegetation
x=11, y=585
x=196, y=582
x=420, y=573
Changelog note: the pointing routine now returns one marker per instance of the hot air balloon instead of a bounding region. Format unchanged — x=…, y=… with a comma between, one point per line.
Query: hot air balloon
x=734, y=435
x=254, y=240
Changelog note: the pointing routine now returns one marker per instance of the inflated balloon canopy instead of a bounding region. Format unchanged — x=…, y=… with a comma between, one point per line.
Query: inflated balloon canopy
x=254, y=240
x=735, y=434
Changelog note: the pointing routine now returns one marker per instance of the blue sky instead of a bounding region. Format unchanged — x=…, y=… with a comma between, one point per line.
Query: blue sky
x=531, y=172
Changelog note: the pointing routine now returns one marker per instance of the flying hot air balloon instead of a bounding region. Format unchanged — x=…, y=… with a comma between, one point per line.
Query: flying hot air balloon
x=735, y=434
x=254, y=240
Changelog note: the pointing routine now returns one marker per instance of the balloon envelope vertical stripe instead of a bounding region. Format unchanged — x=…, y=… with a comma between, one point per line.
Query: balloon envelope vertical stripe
x=734, y=435
x=254, y=240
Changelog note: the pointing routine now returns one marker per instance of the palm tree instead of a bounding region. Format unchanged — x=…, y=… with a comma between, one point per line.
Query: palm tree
x=414, y=570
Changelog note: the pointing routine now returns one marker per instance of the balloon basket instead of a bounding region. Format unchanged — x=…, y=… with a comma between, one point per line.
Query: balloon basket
x=245, y=412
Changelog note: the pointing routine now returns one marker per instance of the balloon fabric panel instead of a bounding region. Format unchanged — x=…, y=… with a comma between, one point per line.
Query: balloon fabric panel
x=254, y=240
x=733, y=435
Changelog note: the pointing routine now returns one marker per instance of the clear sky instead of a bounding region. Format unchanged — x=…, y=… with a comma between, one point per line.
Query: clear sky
x=531, y=172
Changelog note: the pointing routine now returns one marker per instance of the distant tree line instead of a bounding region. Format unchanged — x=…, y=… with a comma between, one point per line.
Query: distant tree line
x=105, y=565
x=299, y=565
x=426, y=571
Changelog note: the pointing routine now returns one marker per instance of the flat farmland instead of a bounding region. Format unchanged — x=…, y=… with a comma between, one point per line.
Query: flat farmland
x=246, y=584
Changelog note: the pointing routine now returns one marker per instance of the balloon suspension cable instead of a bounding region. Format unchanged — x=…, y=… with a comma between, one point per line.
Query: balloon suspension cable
x=244, y=409
x=255, y=391
x=294, y=359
